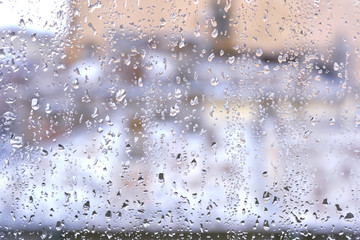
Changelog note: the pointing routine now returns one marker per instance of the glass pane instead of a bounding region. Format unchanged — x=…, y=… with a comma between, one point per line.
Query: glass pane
x=177, y=119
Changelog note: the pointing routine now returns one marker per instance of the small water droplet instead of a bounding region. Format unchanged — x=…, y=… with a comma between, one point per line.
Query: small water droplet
x=161, y=178
x=266, y=225
x=259, y=52
x=179, y=158
x=231, y=60
x=128, y=148
x=86, y=206
x=266, y=69
x=120, y=95
x=58, y=226
x=193, y=163
x=336, y=66
x=16, y=142
x=44, y=153
x=194, y=101
x=35, y=104
x=332, y=121
x=174, y=110
x=214, y=81
x=349, y=217
x=214, y=33
x=162, y=21
x=266, y=196
x=178, y=93
x=47, y=108
x=108, y=215
x=211, y=57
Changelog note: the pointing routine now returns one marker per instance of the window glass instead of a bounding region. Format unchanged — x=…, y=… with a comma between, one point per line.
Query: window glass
x=168, y=119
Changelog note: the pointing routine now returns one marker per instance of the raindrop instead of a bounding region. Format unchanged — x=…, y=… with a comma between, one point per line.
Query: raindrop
x=58, y=226
x=193, y=163
x=231, y=60
x=214, y=33
x=259, y=52
x=16, y=142
x=61, y=147
x=266, y=69
x=336, y=66
x=179, y=158
x=86, y=206
x=349, y=217
x=174, y=110
x=266, y=225
x=47, y=108
x=120, y=95
x=128, y=148
x=332, y=121
x=44, y=153
x=161, y=178
x=211, y=57
x=35, y=104
x=108, y=215
x=194, y=101
x=178, y=93
x=266, y=196
x=162, y=21
x=214, y=147
x=214, y=81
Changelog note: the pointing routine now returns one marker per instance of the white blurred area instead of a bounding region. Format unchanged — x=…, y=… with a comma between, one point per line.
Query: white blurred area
x=36, y=15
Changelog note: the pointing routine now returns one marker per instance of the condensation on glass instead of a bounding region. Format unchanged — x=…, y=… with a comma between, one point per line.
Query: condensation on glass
x=164, y=118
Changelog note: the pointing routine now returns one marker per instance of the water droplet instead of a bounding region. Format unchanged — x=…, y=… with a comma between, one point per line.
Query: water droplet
x=194, y=101
x=214, y=33
x=266, y=69
x=162, y=21
x=214, y=81
x=58, y=226
x=231, y=60
x=193, y=163
x=161, y=178
x=266, y=196
x=174, y=110
x=95, y=113
x=336, y=66
x=349, y=217
x=120, y=95
x=211, y=57
x=318, y=78
x=16, y=142
x=265, y=174
x=214, y=147
x=179, y=158
x=259, y=52
x=86, y=206
x=178, y=93
x=9, y=118
x=35, y=104
x=266, y=225
x=128, y=148
x=108, y=215
x=48, y=108
x=61, y=147
x=332, y=121
x=44, y=153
